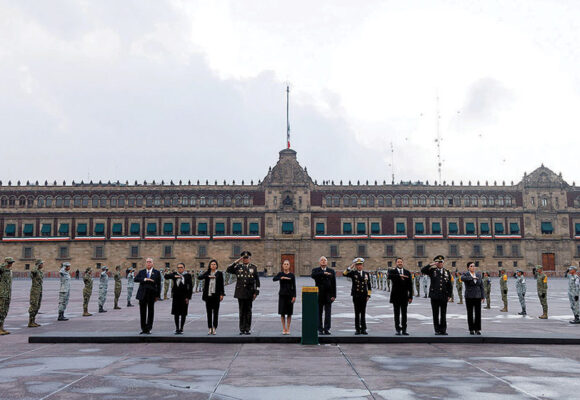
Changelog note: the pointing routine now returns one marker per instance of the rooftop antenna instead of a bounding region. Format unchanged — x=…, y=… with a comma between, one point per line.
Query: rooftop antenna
x=288, y=116
x=392, y=163
x=438, y=139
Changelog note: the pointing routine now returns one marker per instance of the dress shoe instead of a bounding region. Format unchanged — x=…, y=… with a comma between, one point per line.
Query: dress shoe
x=471, y=332
x=364, y=332
x=357, y=333
x=405, y=333
x=398, y=333
x=326, y=332
x=444, y=333
x=478, y=332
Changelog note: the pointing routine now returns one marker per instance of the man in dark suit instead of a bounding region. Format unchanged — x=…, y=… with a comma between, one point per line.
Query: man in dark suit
x=439, y=292
x=401, y=294
x=325, y=280
x=360, y=292
x=247, y=288
x=149, y=291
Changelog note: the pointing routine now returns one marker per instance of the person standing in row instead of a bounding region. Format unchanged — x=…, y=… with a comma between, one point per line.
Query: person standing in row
x=425, y=283
x=503, y=287
x=130, y=285
x=5, y=291
x=361, y=293
x=181, y=292
x=103, y=285
x=487, y=289
x=166, y=282
x=213, y=294
x=474, y=297
x=87, y=291
x=521, y=290
x=118, y=286
x=286, y=296
x=440, y=292
x=247, y=288
x=459, y=286
x=573, y=293
x=37, y=277
x=64, y=291
x=542, y=282
x=417, y=279
x=149, y=280
x=401, y=295
x=325, y=281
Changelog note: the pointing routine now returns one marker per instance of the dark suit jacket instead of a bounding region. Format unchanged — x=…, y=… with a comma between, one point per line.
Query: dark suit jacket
x=148, y=291
x=441, y=287
x=182, y=291
x=473, y=287
x=219, y=284
x=401, y=288
x=326, y=284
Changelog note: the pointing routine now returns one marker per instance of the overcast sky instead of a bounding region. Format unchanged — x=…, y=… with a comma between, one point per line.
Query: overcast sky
x=145, y=90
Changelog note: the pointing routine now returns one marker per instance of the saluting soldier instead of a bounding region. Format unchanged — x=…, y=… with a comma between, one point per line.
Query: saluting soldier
x=87, y=291
x=130, y=285
x=247, y=288
x=5, y=291
x=440, y=292
x=361, y=292
x=103, y=285
x=487, y=289
x=521, y=289
x=64, y=291
x=574, y=292
x=459, y=286
x=37, y=276
x=118, y=286
x=542, y=281
x=503, y=287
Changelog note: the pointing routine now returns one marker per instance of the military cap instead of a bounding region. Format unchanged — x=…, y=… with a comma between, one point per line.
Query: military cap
x=439, y=258
x=539, y=267
x=66, y=264
x=519, y=270
x=8, y=260
x=358, y=260
x=572, y=267
x=104, y=267
x=38, y=262
x=87, y=269
x=246, y=253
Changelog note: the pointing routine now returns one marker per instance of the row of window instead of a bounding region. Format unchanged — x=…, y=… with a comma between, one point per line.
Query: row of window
x=129, y=201
x=418, y=201
x=151, y=228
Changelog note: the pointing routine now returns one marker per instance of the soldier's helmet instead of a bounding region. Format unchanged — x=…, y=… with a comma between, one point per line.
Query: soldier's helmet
x=38, y=262
x=104, y=268
x=118, y=267
x=538, y=267
x=572, y=267
x=8, y=260
x=519, y=270
x=66, y=265
x=88, y=269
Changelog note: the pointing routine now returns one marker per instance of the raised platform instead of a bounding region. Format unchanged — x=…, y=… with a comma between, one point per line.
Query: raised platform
x=269, y=337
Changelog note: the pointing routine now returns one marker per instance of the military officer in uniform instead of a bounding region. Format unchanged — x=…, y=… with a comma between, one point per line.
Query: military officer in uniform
x=440, y=292
x=574, y=292
x=166, y=282
x=487, y=289
x=87, y=291
x=521, y=290
x=64, y=291
x=247, y=288
x=130, y=285
x=542, y=281
x=459, y=286
x=417, y=279
x=361, y=292
x=503, y=287
x=37, y=276
x=103, y=285
x=118, y=286
x=5, y=291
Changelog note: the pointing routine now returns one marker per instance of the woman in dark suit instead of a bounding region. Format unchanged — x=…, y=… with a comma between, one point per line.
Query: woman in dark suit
x=181, y=291
x=213, y=294
x=286, y=296
x=474, y=296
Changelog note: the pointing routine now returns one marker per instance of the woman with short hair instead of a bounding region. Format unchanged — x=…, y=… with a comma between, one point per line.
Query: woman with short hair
x=474, y=297
x=213, y=294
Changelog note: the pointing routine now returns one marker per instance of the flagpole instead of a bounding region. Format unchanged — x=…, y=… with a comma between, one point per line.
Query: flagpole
x=287, y=116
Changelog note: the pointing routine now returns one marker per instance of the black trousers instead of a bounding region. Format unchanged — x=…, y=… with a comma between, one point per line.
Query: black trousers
x=212, y=307
x=327, y=309
x=360, y=311
x=473, y=314
x=439, y=308
x=400, y=310
x=147, y=310
x=245, y=307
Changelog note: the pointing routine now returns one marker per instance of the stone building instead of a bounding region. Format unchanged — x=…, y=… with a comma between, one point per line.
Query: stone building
x=290, y=216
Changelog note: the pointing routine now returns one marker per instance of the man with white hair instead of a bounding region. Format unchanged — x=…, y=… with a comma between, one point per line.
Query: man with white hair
x=149, y=292
x=325, y=280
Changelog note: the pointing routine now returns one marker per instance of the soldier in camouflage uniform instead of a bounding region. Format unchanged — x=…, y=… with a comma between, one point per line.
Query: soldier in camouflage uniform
x=503, y=287
x=417, y=278
x=459, y=286
x=487, y=289
x=452, y=282
x=425, y=283
x=521, y=289
x=5, y=291
x=87, y=291
x=103, y=285
x=118, y=286
x=64, y=291
x=542, y=281
x=166, y=283
x=573, y=293
x=37, y=277
x=130, y=286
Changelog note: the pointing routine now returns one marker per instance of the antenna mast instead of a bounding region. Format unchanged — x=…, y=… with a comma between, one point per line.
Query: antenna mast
x=288, y=116
x=438, y=140
x=392, y=164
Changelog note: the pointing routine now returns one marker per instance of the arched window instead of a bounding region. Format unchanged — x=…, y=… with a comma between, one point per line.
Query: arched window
x=58, y=201
x=39, y=202
x=139, y=201
x=228, y=201
x=113, y=201
x=423, y=200
x=491, y=201
x=30, y=202
x=415, y=200
x=175, y=201
x=483, y=201
x=246, y=200
x=77, y=201
x=167, y=201
x=85, y=201
x=500, y=201
x=353, y=201
x=467, y=201
x=157, y=201
x=346, y=201
x=12, y=201
x=328, y=201
x=149, y=201
x=95, y=201
x=121, y=201
x=474, y=201
x=405, y=200
x=381, y=201
x=432, y=201
x=103, y=201
x=388, y=201
x=210, y=200
x=193, y=201
x=131, y=201
x=66, y=201
x=238, y=200
x=371, y=201
x=457, y=201
x=22, y=201
x=49, y=201
x=509, y=201
x=440, y=201
x=335, y=200
x=363, y=201
x=202, y=201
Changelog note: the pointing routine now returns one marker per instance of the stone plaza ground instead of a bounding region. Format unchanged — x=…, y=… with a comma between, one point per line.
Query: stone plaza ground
x=288, y=371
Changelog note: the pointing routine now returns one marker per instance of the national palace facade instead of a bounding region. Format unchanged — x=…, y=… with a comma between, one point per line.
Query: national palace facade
x=290, y=216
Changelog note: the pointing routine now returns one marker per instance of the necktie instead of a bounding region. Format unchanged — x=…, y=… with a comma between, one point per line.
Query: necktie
x=148, y=274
